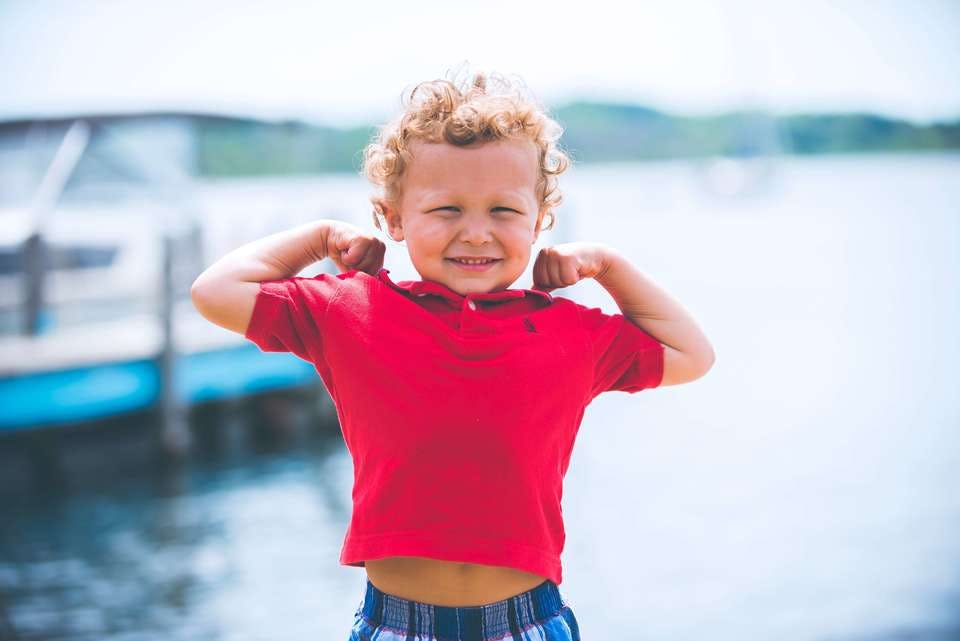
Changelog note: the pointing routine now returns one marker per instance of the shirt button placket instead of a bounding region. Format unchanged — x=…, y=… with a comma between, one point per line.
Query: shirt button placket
x=472, y=305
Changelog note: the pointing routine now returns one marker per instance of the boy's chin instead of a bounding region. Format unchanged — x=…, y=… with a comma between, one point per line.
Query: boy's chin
x=465, y=286
x=464, y=282
x=480, y=287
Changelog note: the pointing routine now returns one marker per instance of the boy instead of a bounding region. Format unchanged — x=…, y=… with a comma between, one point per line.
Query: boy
x=459, y=398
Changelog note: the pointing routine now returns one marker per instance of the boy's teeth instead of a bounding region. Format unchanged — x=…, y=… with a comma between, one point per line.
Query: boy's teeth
x=472, y=262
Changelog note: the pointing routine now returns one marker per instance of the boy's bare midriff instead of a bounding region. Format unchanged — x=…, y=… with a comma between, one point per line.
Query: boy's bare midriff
x=448, y=583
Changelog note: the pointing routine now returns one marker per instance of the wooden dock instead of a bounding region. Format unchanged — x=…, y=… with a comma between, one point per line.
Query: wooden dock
x=99, y=370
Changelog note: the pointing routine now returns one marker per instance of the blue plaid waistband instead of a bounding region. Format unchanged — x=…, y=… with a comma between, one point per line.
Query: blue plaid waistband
x=467, y=623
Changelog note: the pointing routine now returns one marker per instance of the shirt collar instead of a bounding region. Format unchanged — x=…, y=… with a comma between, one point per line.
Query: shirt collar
x=423, y=287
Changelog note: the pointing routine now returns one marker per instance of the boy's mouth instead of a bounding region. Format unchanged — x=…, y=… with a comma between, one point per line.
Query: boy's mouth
x=474, y=264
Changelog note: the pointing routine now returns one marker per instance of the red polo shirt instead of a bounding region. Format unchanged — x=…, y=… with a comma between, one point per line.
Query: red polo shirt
x=460, y=412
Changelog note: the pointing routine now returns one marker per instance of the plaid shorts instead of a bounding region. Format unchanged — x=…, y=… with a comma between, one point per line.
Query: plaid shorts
x=539, y=614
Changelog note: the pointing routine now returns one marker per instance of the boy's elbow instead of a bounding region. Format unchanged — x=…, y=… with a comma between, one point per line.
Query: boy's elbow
x=705, y=362
x=200, y=296
x=225, y=302
x=699, y=363
x=196, y=299
x=684, y=367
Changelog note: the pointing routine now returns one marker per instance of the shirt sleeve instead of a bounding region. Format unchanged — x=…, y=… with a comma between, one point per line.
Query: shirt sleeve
x=625, y=358
x=289, y=315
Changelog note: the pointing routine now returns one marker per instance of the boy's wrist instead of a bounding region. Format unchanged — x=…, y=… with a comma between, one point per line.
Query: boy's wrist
x=319, y=237
x=608, y=259
x=287, y=253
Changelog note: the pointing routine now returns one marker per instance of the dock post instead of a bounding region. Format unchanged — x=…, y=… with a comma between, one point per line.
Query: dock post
x=175, y=437
x=34, y=253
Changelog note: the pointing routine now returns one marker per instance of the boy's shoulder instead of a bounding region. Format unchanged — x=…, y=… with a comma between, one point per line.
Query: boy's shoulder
x=318, y=289
x=360, y=283
x=355, y=284
x=353, y=277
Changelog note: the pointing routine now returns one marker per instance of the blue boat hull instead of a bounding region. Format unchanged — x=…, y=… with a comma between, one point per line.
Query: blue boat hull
x=110, y=389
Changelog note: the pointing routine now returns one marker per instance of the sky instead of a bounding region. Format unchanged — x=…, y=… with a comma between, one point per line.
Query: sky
x=348, y=63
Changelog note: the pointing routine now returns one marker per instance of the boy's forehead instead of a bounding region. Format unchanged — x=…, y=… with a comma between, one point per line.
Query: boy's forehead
x=508, y=165
x=522, y=152
x=440, y=192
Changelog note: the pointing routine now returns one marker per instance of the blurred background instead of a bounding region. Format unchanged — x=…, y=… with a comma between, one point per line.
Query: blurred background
x=790, y=173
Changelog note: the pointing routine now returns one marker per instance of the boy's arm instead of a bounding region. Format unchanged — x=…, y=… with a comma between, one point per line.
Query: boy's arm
x=226, y=291
x=688, y=354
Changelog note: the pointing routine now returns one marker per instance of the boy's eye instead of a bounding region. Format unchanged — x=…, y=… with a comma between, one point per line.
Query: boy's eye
x=452, y=208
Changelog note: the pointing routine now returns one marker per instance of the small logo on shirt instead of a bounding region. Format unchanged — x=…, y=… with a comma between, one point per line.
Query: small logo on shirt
x=529, y=325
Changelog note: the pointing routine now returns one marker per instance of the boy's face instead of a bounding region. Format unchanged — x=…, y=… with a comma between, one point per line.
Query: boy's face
x=469, y=202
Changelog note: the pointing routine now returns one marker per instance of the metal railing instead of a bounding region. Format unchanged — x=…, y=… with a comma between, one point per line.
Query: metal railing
x=174, y=437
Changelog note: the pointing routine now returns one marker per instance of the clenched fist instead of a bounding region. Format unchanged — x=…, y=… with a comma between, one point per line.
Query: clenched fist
x=350, y=247
x=566, y=264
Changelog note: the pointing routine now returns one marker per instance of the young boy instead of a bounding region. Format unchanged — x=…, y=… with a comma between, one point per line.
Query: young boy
x=459, y=398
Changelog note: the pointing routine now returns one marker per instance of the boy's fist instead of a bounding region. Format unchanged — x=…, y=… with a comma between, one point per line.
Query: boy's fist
x=566, y=264
x=349, y=247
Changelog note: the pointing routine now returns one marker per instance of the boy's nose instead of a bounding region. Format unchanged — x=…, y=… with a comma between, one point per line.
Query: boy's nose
x=475, y=230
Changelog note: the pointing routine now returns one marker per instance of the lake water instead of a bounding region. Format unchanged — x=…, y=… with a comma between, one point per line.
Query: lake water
x=806, y=489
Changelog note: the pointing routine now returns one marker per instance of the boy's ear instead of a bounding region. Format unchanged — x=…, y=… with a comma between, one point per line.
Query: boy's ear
x=539, y=225
x=392, y=218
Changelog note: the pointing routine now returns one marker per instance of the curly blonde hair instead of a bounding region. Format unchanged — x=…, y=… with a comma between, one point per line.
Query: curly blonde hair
x=488, y=107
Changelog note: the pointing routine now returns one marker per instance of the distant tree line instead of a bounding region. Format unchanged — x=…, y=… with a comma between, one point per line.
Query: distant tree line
x=593, y=132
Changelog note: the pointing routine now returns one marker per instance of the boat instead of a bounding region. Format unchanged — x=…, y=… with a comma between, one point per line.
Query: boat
x=103, y=227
